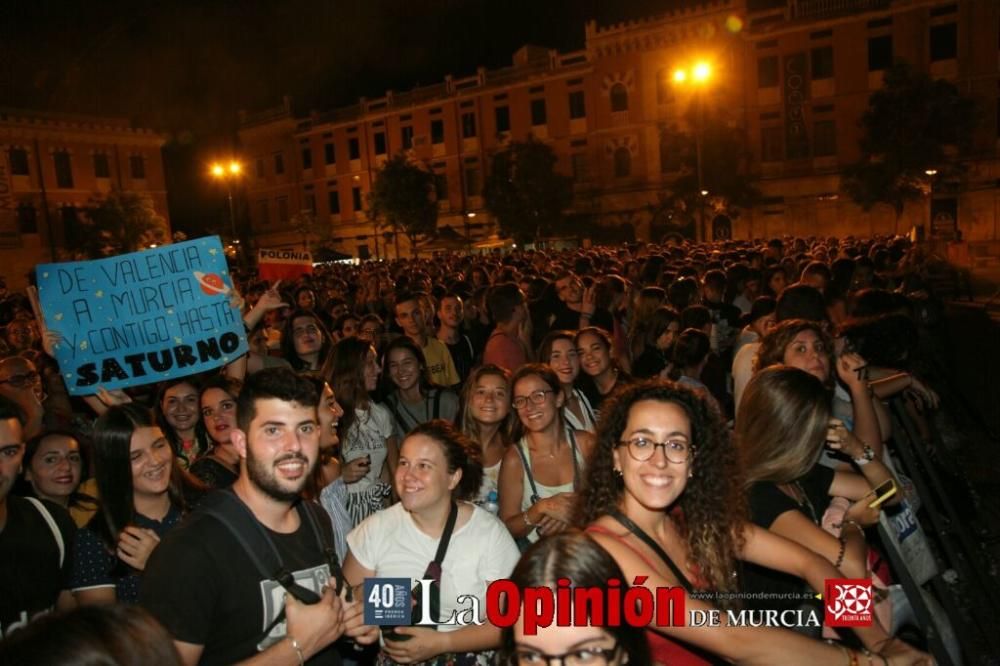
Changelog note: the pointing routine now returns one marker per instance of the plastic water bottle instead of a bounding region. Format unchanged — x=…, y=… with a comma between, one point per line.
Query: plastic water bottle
x=491, y=503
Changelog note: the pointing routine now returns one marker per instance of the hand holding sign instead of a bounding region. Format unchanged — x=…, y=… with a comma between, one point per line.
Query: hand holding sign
x=142, y=317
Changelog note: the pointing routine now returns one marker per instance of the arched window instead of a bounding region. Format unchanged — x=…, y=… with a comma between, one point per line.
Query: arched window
x=623, y=163
x=619, y=97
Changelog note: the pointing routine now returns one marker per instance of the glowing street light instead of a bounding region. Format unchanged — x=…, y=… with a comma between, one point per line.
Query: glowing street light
x=701, y=72
x=931, y=172
x=697, y=74
x=227, y=174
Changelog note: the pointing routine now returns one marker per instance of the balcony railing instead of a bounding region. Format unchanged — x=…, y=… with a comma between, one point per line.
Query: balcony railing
x=814, y=9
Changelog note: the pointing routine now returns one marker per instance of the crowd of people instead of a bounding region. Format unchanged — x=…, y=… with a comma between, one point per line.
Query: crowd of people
x=711, y=417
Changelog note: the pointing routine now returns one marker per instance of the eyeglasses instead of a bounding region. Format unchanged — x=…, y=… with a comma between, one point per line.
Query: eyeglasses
x=536, y=398
x=642, y=449
x=588, y=656
x=24, y=380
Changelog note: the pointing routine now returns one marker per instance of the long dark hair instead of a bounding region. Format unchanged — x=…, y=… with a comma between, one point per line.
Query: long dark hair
x=223, y=383
x=76, y=498
x=288, y=339
x=120, y=635
x=403, y=342
x=348, y=380
x=113, y=470
x=575, y=556
x=201, y=440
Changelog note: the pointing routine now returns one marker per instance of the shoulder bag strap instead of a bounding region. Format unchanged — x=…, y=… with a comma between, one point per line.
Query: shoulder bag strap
x=437, y=403
x=649, y=541
x=308, y=509
x=527, y=470
x=571, y=433
x=393, y=403
x=434, y=568
x=56, y=532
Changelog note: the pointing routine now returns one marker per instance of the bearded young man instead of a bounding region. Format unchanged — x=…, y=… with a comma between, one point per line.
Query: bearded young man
x=203, y=582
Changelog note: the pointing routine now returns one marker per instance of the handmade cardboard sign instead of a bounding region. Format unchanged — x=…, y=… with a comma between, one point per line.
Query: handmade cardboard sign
x=142, y=317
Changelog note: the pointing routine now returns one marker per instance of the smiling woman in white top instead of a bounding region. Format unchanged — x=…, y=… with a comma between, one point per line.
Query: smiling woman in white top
x=486, y=419
x=439, y=471
x=541, y=472
x=368, y=448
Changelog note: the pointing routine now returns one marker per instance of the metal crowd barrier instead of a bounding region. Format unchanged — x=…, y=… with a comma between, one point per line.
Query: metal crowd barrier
x=943, y=568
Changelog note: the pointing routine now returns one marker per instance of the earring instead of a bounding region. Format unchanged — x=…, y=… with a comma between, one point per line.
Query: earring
x=691, y=474
x=618, y=473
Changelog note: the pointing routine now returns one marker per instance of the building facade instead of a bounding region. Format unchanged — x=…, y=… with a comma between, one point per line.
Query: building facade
x=793, y=76
x=56, y=164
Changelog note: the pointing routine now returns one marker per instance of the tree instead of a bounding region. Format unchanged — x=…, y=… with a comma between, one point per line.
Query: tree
x=525, y=193
x=724, y=173
x=120, y=222
x=305, y=223
x=911, y=126
x=402, y=197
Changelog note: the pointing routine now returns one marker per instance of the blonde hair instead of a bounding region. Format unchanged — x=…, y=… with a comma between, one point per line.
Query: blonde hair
x=782, y=423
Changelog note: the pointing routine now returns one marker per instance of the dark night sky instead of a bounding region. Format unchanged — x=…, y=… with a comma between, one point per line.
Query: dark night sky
x=186, y=67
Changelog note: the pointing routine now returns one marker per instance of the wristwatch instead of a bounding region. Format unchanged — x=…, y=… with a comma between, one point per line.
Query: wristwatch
x=867, y=455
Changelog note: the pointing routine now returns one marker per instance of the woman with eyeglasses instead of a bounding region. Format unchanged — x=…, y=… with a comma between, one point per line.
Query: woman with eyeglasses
x=305, y=341
x=574, y=556
x=601, y=372
x=542, y=471
x=142, y=497
x=486, y=419
x=558, y=350
x=664, y=498
x=220, y=467
x=439, y=472
x=54, y=467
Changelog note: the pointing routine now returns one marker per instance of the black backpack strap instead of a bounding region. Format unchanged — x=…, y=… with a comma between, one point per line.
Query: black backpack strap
x=308, y=509
x=437, y=403
x=527, y=470
x=237, y=517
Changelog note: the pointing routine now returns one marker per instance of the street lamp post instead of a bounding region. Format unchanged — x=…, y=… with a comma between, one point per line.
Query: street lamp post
x=698, y=76
x=930, y=204
x=228, y=174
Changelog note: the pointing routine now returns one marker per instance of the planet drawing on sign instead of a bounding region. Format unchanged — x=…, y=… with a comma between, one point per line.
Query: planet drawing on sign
x=211, y=284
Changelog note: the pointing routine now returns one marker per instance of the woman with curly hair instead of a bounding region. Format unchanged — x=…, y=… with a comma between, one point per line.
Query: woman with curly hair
x=679, y=517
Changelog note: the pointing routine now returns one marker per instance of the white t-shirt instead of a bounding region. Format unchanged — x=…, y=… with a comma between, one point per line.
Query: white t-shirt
x=367, y=436
x=480, y=552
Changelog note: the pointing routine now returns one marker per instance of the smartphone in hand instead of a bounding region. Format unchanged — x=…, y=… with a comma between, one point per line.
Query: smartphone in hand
x=882, y=493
